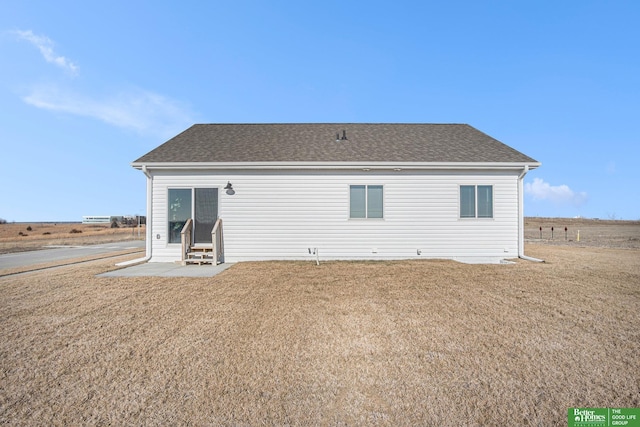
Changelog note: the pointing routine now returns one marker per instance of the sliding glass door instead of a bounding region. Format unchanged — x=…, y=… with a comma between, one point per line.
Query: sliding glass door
x=201, y=204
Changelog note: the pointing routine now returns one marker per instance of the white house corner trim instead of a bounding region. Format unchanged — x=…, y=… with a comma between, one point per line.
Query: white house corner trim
x=149, y=219
x=521, y=210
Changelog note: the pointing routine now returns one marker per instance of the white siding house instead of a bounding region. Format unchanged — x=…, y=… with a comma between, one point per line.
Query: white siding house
x=301, y=191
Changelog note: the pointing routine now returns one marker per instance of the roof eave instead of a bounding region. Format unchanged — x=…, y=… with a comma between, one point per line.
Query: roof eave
x=335, y=165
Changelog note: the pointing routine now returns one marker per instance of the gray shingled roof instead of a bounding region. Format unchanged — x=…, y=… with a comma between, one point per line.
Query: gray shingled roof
x=316, y=142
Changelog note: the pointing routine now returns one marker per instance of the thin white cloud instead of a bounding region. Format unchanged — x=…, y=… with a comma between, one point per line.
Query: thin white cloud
x=558, y=194
x=45, y=46
x=131, y=108
x=136, y=109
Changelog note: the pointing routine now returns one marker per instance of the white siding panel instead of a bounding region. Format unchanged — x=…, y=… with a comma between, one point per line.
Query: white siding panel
x=281, y=215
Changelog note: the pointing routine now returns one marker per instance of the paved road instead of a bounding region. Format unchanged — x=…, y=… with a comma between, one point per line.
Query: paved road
x=60, y=253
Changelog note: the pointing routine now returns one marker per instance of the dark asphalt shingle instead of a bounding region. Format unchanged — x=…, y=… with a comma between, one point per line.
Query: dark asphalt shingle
x=316, y=142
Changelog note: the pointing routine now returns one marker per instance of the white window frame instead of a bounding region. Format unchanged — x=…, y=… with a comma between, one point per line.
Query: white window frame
x=366, y=202
x=475, y=202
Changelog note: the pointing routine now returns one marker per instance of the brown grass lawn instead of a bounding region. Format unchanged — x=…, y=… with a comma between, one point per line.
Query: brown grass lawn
x=343, y=343
x=16, y=237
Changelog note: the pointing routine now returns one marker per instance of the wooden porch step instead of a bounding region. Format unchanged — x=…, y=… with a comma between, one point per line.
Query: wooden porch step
x=198, y=261
x=196, y=248
x=200, y=255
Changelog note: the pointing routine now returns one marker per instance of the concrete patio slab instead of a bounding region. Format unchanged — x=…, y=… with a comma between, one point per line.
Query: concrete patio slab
x=167, y=269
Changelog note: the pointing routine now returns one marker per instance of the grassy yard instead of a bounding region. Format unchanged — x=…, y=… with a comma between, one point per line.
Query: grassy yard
x=343, y=343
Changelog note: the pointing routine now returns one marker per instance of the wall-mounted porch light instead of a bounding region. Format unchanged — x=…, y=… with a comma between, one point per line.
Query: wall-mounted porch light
x=229, y=188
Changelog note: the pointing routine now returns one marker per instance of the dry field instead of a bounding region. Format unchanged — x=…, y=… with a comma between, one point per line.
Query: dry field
x=343, y=343
x=16, y=237
x=600, y=233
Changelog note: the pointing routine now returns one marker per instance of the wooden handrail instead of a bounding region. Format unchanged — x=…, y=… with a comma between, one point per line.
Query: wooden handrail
x=217, y=239
x=185, y=239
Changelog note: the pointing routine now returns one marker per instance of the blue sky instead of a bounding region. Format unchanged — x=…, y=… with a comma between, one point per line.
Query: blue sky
x=88, y=87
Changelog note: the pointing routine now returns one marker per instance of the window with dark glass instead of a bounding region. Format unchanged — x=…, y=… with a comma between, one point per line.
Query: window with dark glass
x=476, y=201
x=366, y=201
x=485, y=201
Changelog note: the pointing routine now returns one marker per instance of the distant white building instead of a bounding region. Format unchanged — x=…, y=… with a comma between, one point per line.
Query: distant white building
x=343, y=191
x=96, y=219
